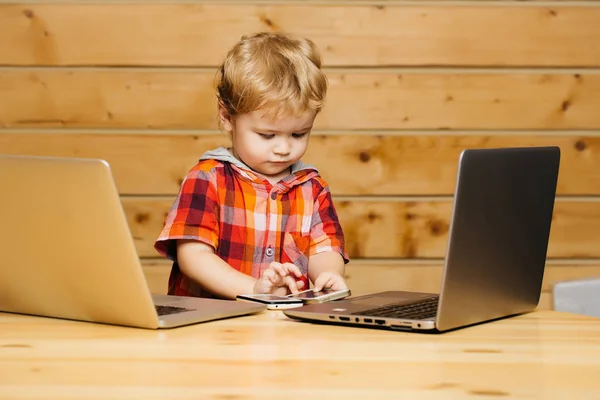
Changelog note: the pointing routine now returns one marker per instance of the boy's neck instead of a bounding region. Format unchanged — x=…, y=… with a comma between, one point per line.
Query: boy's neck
x=273, y=180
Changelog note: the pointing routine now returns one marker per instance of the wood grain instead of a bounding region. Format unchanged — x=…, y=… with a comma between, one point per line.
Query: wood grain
x=199, y=33
x=377, y=163
x=357, y=99
x=371, y=276
x=544, y=354
x=412, y=229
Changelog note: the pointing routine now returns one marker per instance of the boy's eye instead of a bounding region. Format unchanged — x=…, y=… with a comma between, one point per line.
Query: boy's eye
x=266, y=136
x=298, y=135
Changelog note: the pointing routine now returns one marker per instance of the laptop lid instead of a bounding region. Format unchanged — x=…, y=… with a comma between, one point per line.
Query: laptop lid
x=498, y=236
x=67, y=250
x=496, y=251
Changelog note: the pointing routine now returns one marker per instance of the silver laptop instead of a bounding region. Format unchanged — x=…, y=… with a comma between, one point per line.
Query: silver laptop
x=67, y=251
x=496, y=252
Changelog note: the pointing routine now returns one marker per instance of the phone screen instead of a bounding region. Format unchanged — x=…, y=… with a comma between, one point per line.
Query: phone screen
x=268, y=298
x=313, y=295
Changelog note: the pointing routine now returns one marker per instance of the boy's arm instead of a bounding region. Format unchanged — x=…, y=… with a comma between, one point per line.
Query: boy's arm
x=326, y=266
x=326, y=270
x=198, y=261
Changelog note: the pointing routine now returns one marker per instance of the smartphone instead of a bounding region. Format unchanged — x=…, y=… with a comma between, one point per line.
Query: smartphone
x=311, y=297
x=272, y=301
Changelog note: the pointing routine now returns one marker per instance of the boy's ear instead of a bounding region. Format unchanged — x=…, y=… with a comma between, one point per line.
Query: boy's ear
x=225, y=119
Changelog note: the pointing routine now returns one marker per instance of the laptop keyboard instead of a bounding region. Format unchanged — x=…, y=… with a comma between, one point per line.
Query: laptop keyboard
x=422, y=309
x=166, y=310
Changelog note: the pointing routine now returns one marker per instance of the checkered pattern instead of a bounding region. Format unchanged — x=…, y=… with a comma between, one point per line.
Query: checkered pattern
x=250, y=222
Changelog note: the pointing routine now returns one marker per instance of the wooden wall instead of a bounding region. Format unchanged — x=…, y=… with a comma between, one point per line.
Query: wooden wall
x=411, y=85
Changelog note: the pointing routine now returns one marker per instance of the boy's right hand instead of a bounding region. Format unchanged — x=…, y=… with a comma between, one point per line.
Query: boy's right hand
x=279, y=279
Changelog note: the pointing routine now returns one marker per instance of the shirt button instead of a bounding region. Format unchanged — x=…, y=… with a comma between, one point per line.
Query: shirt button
x=269, y=252
x=273, y=195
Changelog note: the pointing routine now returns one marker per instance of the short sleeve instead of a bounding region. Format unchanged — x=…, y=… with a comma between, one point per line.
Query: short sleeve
x=325, y=231
x=194, y=214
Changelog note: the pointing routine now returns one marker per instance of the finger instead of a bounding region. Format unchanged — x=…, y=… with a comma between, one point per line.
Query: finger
x=263, y=284
x=271, y=276
x=324, y=281
x=320, y=284
x=277, y=280
x=293, y=269
x=336, y=282
x=291, y=284
x=340, y=284
x=279, y=268
x=267, y=273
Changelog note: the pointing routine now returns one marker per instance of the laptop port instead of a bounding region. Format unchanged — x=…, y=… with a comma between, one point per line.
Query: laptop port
x=401, y=328
x=368, y=320
x=380, y=321
x=332, y=317
x=344, y=319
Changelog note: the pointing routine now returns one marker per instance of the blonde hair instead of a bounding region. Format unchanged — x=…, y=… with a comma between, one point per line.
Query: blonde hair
x=272, y=72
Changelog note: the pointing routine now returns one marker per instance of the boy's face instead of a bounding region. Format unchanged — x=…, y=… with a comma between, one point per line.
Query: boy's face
x=268, y=146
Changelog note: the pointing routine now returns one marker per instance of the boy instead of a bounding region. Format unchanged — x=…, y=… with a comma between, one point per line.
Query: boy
x=254, y=218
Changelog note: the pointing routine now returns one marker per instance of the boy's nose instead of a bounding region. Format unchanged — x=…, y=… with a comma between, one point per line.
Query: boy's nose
x=282, y=148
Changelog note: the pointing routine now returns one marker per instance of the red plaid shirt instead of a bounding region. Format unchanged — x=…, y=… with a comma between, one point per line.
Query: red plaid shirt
x=249, y=221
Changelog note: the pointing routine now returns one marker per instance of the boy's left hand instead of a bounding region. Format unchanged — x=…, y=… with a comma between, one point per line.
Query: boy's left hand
x=329, y=280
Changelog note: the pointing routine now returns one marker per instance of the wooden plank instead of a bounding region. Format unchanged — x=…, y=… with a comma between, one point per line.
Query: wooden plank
x=369, y=277
x=371, y=99
x=106, y=98
x=381, y=163
x=412, y=229
x=199, y=33
x=545, y=302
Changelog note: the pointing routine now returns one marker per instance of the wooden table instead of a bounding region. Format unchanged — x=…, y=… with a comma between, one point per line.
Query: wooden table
x=543, y=355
